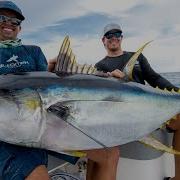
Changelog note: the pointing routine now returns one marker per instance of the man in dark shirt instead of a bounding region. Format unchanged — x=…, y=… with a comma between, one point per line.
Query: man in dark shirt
x=114, y=64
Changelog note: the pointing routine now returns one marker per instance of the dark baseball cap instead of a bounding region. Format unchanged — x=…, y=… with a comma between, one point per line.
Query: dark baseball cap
x=12, y=7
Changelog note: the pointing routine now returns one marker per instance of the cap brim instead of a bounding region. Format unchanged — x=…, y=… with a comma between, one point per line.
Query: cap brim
x=20, y=16
x=114, y=30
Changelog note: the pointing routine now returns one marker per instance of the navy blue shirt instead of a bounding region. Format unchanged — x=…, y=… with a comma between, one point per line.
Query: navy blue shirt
x=24, y=58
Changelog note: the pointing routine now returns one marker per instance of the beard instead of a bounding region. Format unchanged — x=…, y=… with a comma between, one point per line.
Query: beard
x=114, y=48
x=114, y=45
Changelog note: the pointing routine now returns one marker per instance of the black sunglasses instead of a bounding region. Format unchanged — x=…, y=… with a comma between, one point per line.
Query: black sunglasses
x=113, y=34
x=14, y=21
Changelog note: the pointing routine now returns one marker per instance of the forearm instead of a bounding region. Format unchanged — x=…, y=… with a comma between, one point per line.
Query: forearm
x=156, y=80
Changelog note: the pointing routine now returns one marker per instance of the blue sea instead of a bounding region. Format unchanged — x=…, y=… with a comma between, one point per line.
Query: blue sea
x=173, y=77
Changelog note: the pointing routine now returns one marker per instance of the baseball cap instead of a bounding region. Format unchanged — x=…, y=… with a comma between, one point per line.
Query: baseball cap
x=111, y=26
x=11, y=6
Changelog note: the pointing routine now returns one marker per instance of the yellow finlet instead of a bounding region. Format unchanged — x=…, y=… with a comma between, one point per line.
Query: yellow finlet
x=76, y=153
x=173, y=91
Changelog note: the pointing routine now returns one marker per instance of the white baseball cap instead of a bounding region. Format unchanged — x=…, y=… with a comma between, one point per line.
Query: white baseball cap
x=111, y=26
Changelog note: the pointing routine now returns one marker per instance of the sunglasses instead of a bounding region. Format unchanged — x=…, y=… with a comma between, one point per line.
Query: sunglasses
x=14, y=21
x=114, y=34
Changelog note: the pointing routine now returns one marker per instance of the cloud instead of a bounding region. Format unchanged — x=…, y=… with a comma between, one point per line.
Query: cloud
x=87, y=25
x=47, y=22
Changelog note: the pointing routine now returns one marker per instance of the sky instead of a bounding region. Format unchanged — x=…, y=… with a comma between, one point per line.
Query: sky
x=49, y=21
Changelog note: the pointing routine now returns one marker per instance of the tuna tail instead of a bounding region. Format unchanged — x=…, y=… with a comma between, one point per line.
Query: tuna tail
x=66, y=62
x=154, y=143
x=128, y=70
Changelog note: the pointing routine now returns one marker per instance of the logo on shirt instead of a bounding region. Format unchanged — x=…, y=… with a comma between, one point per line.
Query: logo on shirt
x=13, y=62
x=13, y=59
x=136, y=63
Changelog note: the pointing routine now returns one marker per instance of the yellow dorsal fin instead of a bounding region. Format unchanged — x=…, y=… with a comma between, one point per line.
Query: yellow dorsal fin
x=130, y=65
x=154, y=143
x=67, y=64
x=65, y=58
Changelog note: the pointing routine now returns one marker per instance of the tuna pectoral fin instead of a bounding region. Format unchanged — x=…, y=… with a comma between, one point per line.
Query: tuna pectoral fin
x=62, y=111
x=59, y=110
x=67, y=64
x=154, y=143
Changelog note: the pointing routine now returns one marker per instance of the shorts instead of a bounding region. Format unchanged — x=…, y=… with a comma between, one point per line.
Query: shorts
x=17, y=162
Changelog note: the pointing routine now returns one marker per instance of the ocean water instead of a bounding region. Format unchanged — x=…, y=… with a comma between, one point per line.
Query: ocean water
x=173, y=77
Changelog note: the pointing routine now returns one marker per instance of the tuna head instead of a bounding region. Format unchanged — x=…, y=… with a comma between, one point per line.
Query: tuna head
x=22, y=117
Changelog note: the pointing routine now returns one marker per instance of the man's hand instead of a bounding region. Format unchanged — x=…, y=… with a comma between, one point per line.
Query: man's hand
x=52, y=64
x=116, y=73
x=101, y=74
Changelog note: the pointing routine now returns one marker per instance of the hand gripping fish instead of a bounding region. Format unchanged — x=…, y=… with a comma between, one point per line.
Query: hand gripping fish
x=79, y=108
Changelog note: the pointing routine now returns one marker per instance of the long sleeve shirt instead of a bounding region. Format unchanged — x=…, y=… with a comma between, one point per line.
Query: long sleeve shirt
x=142, y=70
